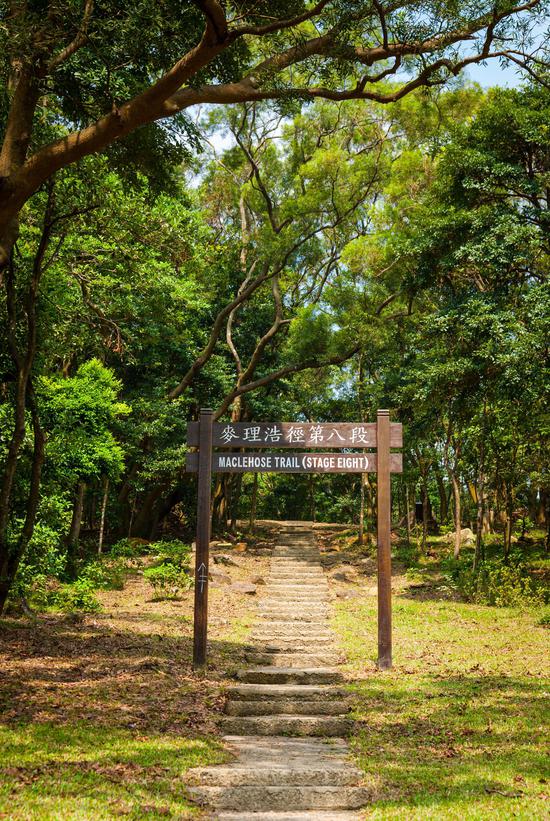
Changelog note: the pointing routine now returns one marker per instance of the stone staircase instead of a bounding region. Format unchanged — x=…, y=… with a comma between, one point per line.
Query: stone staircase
x=286, y=718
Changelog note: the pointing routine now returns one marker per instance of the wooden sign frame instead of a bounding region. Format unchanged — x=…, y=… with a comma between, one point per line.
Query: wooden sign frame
x=382, y=434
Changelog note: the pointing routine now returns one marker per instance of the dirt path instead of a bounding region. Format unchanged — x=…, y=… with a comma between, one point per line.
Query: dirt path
x=286, y=719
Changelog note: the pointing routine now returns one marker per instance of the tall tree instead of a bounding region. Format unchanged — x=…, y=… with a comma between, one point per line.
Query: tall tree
x=104, y=69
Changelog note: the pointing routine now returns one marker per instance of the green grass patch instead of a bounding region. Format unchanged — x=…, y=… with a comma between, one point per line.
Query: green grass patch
x=457, y=729
x=84, y=771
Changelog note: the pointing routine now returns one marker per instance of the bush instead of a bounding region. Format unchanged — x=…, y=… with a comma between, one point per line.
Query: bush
x=107, y=574
x=77, y=596
x=168, y=579
x=170, y=574
x=130, y=548
x=173, y=552
x=500, y=585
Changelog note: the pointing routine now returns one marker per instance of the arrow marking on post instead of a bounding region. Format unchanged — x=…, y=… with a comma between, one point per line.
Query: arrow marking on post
x=202, y=575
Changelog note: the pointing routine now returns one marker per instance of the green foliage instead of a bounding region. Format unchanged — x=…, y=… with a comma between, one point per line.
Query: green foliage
x=107, y=574
x=170, y=574
x=78, y=596
x=167, y=580
x=500, y=585
x=79, y=412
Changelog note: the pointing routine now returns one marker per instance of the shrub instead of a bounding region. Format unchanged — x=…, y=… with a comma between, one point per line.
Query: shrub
x=130, y=548
x=168, y=579
x=170, y=574
x=77, y=596
x=173, y=552
x=107, y=574
x=498, y=584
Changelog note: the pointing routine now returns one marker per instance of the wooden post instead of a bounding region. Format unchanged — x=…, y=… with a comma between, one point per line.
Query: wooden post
x=203, y=538
x=383, y=500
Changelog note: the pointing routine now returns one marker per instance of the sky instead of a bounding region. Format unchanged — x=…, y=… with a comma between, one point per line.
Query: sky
x=493, y=74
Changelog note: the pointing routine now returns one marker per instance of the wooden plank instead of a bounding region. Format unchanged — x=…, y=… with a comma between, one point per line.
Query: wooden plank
x=383, y=504
x=294, y=463
x=295, y=434
x=204, y=465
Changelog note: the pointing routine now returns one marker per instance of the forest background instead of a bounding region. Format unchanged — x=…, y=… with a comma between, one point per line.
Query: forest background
x=282, y=258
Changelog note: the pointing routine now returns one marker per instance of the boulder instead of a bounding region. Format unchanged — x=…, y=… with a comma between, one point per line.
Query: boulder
x=218, y=576
x=223, y=558
x=244, y=587
x=466, y=535
x=339, y=576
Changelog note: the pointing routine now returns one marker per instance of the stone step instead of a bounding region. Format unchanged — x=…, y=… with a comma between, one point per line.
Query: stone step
x=307, y=612
x=244, y=798
x=297, y=551
x=298, y=554
x=323, y=775
x=304, y=815
x=291, y=630
x=289, y=707
x=282, y=748
x=280, y=562
x=283, y=618
x=270, y=692
x=295, y=659
x=290, y=675
x=290, y=599
x=315, y=587
x=287, y=724
x=293, y=645
x=298, y=591
x=282, y=594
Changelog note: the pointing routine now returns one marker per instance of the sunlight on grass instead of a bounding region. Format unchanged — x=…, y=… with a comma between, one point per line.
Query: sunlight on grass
x=84, y=772
x=457, y=729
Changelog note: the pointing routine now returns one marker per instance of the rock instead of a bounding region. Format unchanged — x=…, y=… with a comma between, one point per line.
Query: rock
x=244, y=587
x=342, y=577
x=240, y=547
x=223, y=558
x=466, y=535
x=219, y=576
x=258, y=580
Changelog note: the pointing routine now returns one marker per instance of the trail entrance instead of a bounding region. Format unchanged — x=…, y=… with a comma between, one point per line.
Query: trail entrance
x=331, y=437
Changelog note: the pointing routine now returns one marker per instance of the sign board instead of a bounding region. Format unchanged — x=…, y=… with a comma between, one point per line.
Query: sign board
x=331, y=436
x=294, y=463
x=294, y=435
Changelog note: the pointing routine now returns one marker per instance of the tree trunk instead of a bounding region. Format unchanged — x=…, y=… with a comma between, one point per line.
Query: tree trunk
x=78, y=507
x=9, y=561
x=253, y=503
x=479, y=552
x=102, y=517
x=312, y=496
x=362, y=510
x=143, y=523
x=408, y=514
x=236, y=487
x=457, y=512
x=443, y=499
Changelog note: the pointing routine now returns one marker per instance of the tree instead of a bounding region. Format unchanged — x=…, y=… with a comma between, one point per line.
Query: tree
x=104, y=71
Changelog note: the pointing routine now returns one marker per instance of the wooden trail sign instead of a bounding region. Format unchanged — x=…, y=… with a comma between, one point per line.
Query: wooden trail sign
x=294, y=462
x=294, y=435
x=382, y=435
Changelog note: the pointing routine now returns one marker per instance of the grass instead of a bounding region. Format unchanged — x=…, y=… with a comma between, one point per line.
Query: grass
x=457, y=729
x=101, y=715
x=83, y=772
